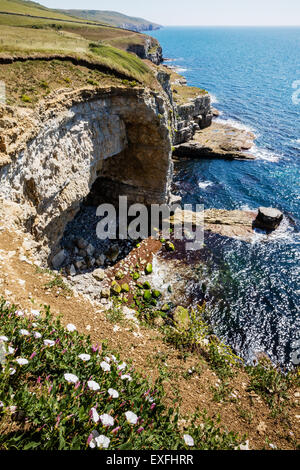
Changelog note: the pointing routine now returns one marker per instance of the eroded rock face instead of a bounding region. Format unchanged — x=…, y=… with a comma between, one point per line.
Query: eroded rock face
x=191, y=117
x=150, y=50
x=73, y=138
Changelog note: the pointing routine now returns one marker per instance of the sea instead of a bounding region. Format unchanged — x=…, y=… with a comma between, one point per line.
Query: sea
x=253, y=76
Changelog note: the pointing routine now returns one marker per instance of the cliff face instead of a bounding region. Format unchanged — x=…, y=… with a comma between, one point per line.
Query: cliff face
x=191, y=117
x=93, y=142
x=150, y=50
x=77, y=138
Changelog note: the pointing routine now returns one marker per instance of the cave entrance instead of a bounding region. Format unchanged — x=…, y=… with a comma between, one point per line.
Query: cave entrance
x=85, y=251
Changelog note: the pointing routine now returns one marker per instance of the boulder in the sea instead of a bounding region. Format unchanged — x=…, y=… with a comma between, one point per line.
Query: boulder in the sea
x=268, y=218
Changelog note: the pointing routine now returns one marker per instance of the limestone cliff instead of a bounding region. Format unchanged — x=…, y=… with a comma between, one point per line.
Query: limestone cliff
x=70, y=141
x=150, y=49
x=190, y=113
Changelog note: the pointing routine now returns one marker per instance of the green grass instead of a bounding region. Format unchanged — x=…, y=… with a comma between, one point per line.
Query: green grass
x=32, y=8
x=25, y=41
x=121, y=60
x=272, y=385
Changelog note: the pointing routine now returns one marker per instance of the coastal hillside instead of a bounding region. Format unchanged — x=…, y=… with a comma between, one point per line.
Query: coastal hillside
x=114, y=19
x=33, y=16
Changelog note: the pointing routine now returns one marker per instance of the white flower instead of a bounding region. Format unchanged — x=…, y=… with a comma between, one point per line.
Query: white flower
x=13, y=409
x=12, y=371
x=103, y=442
x=21, y=361
x=71, y=378
x=107, y=359
x=114, y=358
x=1, y=404
x=107, y=420
x=99, y=441
x=35, y=313
x=49, y=342
x=95, y=416
x=104, y=366
x=122, y=366
x=37, y=335
x=126, y=377
x=11, y=350
x=84, y=357
x=4, y=338
x=189, y=440
x=70, y=327
x=19, y=313
x=113, y=393
x=132, y=418
x=93, y=386
x=24, y=333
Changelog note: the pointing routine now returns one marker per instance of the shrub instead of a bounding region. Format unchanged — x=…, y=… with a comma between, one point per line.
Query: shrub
x=26, y=99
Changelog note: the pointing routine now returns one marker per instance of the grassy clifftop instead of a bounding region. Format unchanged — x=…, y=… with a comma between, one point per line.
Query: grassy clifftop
x=35, y=32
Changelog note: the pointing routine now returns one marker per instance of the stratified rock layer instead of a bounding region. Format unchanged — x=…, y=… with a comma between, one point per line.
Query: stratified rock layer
x=75, y=138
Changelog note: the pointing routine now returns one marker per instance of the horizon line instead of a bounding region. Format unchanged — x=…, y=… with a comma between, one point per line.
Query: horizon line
x=231, y=26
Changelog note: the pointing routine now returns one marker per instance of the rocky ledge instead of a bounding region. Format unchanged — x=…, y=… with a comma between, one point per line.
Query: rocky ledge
x=233, y=224
x=218, y=141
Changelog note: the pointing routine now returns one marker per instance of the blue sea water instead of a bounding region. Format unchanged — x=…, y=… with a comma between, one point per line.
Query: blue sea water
x=250, y=73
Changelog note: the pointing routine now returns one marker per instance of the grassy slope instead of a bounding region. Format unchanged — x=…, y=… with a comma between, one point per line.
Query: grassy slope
x=110, y=17
x=30, y=8
x=31, y=36
x=112, y=35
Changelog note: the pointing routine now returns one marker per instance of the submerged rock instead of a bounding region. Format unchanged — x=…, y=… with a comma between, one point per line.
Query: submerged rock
x=268, y=218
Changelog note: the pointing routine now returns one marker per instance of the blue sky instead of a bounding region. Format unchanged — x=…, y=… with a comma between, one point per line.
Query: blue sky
x=196, y=12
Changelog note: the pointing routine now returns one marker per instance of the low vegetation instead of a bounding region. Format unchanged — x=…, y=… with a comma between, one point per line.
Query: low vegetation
x=59, y=391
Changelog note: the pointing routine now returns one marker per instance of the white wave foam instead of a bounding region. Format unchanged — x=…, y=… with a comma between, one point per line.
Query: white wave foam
x=284, y=232
x=180, y=69
x=245, y=207
x=205, y=184
x=296, y=141
x=264, y=154
x=213, y=98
